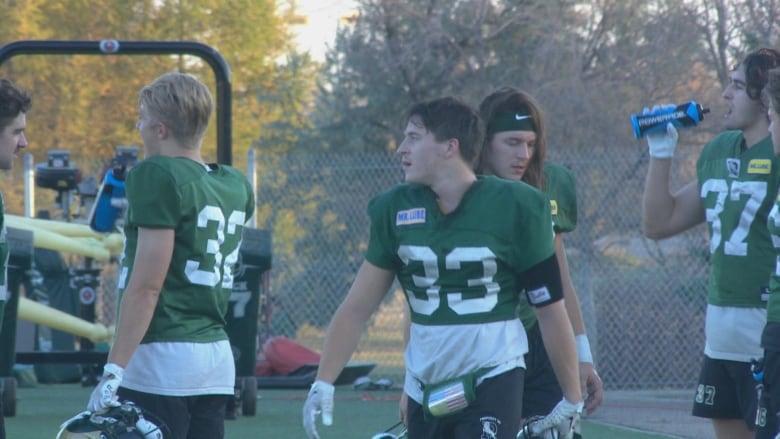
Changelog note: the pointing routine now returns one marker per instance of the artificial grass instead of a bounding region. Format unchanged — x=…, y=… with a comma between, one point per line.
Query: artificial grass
x=358, y=415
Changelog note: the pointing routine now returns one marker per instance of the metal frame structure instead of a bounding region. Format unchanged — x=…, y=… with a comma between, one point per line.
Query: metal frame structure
x=224, y=155
x=115, y=47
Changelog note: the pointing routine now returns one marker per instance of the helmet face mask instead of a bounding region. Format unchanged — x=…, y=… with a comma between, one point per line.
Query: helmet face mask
x=527, y=433
x=388, y=435
x=126, y=421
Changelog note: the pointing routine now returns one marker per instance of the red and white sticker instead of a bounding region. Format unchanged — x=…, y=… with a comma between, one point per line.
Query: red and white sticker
x=87, y=295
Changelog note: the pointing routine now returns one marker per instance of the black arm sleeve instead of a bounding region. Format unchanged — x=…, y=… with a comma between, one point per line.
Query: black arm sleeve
x=542, y=282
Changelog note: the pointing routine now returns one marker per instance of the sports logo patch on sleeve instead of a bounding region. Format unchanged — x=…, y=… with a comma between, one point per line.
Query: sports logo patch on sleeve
x=539, y=295
x=411, y=216
x=732, y=166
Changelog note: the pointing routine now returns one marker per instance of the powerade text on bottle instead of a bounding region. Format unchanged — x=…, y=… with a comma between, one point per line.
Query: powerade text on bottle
x=684, y=115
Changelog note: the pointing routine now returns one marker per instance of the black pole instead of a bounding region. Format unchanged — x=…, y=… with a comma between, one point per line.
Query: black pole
x=115, y=47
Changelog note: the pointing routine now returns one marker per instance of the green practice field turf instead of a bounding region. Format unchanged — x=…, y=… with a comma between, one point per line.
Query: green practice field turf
x=359, y=415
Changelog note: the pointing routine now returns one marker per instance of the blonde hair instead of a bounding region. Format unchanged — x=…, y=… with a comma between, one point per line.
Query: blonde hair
x=182, y=103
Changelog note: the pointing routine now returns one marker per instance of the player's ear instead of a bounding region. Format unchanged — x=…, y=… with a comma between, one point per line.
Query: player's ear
x=162, y=131
x=453, y=147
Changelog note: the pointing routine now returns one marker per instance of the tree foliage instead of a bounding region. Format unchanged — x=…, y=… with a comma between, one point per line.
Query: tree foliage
x=590, y=63
x=88, y=104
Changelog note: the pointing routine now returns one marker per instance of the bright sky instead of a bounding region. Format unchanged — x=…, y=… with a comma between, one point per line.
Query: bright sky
x=323, y=19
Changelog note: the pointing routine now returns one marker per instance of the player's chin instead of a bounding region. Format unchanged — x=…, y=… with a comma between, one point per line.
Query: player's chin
x=409, y=177
x=728, y=125
x=514, y=173
x=731, y=122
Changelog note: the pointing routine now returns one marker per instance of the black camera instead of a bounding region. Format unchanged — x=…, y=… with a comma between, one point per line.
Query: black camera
x=57, y=173
x=124, y=158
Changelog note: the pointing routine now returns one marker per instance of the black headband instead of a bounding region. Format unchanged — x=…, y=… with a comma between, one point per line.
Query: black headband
x=511, y=122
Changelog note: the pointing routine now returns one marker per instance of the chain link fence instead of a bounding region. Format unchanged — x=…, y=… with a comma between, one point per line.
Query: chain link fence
x=643, y=301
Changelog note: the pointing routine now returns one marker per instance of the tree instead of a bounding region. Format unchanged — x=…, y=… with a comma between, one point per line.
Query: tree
x=87, y=104
x=399, y=52
x=731, y=29
x=591, y=64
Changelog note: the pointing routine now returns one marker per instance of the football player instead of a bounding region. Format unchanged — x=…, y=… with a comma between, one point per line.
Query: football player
x=462, y=247
x=736, y=186
x=515, y=148
x=14, y=105
x=185, y=217
x=769, y=403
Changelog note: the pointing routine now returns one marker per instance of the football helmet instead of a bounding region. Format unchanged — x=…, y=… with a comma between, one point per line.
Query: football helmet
x=388, y=435
x=526, y=431
x=126, y=421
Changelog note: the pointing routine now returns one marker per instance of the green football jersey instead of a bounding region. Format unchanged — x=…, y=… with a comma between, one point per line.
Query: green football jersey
x=738, y=187
x=463, y=267
x=560, y=187
x=207, y=208
x=773, y=225
x=4, y=252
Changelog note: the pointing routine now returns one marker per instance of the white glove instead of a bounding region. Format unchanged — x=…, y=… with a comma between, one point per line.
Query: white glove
x=148, y=429
x=320, y=400
x=563, y=418
x=662, y=144
x=104, y=395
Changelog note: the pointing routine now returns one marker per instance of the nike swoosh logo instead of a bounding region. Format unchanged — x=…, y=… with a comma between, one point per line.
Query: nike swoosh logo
x=519, y=117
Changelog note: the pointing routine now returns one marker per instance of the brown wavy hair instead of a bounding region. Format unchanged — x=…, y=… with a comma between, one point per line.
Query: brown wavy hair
x=13, y=101
x=757, y=66
x=511, y=100
x=773, y=88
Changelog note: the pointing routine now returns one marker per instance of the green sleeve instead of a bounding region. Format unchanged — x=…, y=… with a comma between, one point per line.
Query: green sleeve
x=560, y=187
